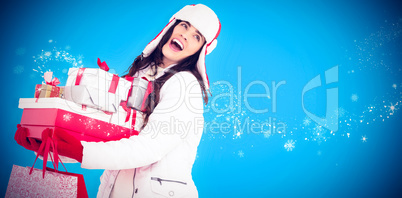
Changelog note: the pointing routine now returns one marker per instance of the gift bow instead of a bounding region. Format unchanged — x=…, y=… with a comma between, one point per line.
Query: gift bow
x=103, y=65
x=48, y=79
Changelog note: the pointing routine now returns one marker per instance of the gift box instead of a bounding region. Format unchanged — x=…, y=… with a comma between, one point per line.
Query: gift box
x=46, y=91
x=85, y=124
x=49, y=89
x=92, y=97
x=139, y=93
x=121, y=117
x=99, y=88
x=24, y=184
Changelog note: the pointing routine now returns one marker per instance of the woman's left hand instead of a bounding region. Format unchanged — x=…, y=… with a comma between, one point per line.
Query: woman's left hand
x=68, y=146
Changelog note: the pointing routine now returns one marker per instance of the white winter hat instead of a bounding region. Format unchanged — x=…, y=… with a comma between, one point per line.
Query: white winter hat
x=204, y=20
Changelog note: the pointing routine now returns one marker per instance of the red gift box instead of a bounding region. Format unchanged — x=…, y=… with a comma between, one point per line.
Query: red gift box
x=49, y=89
x=46, y=91
x=81, y=127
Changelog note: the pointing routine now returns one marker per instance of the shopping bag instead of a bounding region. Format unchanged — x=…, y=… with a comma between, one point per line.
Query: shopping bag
x=54, y=184
x=31, y=182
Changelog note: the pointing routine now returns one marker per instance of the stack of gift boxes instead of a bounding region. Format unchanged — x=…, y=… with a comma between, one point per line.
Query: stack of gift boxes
x=95, y=105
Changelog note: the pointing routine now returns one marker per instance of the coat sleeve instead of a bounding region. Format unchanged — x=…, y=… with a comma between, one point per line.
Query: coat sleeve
x=178, y=117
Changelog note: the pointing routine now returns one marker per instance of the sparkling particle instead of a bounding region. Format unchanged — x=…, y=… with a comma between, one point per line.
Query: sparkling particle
x=289, y=145
x=50, y=41
x=90, y=123
x=394, y=86
x=364, y=138
x=44, y=59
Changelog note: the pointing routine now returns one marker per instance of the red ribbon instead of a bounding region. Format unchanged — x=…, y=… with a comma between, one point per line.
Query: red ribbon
x=47, y=143
x=79, y=76
x=123, y=104
x=113, y=84
x=130, y=79
x=103, y=65
x=133, y=120
x=128, y=110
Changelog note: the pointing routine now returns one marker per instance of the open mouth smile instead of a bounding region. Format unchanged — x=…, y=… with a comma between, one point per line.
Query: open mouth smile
x=176, y=45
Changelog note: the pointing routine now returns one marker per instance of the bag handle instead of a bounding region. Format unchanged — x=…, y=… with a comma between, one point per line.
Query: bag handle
x=48, y=142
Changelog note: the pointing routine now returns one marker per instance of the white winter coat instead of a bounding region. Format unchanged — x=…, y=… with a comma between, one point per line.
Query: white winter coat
x=164, y=152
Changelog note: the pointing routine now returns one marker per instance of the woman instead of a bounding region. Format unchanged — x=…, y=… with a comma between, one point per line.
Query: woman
x=157, y=162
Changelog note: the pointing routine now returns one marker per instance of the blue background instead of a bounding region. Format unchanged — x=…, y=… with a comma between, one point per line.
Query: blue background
x=291, y=41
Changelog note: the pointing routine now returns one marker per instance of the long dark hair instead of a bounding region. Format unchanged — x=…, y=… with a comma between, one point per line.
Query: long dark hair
x=155, y=59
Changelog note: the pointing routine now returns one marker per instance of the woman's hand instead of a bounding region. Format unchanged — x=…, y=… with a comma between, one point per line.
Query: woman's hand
x=67, y=145
x=21, y=137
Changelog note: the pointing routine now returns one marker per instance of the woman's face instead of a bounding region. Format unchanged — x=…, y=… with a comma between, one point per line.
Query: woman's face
x=184, y=42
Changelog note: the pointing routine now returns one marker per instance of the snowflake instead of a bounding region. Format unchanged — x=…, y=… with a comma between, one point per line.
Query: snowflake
x=319, y=137
x=18, y=69
x=364, y=138
x=317, y=128
x=80, y=57
x=354, y=97
x=267, y=134
x=340, y=112
x=240, y=153
x=392, y=108
x=20, y=51
x=394, y=86
x=306, y=121
x=289, y=145
x=318, y=133
x=50, y=41
x=90, y=123
x=67, y=117
x=48, y=54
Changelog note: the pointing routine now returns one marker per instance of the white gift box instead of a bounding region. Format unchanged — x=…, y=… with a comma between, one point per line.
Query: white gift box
x=118, y=118
x=136, y=98
x=96, y=94
x=92, y=97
